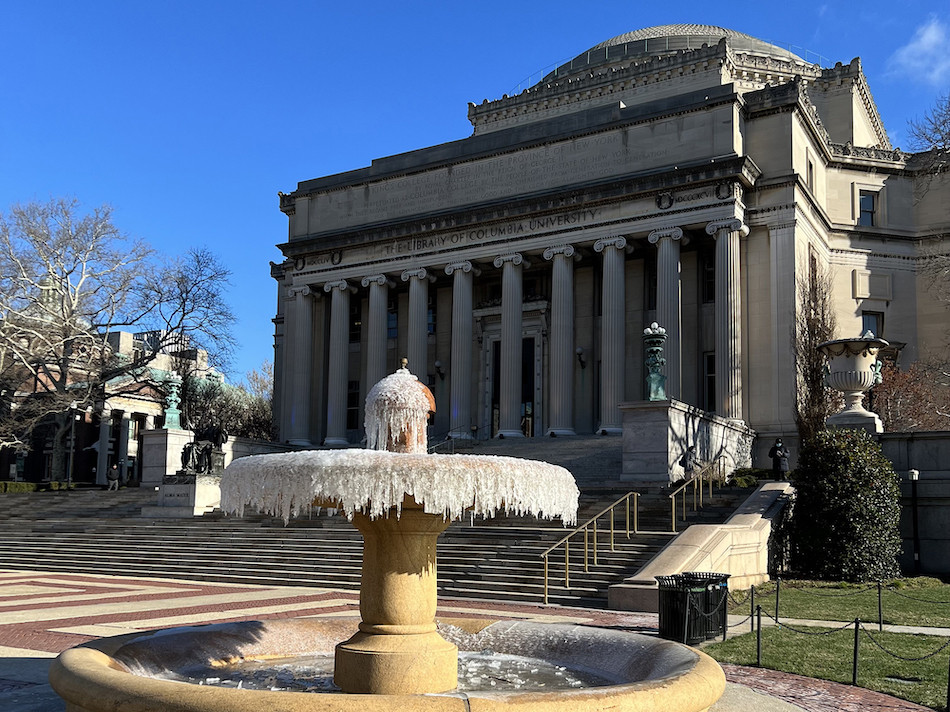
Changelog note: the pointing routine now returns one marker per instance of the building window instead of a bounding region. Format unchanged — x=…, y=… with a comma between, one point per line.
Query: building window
x=392, y=318
x=356, y=320
x=709, y=380
x=353, y=405
x=810, y=176
x=873, y=322
x=867, y=206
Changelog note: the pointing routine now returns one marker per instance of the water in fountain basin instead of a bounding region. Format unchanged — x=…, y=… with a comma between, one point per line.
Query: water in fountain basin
x=481, y=671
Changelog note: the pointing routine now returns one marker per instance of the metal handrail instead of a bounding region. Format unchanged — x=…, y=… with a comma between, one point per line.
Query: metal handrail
x=587, y=527
x=697, y=482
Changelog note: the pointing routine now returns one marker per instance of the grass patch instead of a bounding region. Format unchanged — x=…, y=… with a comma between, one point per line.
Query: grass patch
x=916, y=601
x=829, y=657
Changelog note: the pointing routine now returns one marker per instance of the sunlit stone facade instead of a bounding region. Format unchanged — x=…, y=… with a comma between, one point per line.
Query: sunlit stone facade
x=682, y=174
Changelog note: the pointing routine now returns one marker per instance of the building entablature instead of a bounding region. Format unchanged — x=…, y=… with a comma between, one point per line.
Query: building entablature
x=673, y=188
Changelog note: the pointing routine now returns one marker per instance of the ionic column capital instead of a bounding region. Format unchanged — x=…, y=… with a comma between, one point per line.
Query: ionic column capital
x=619, y=242
x=515, y=258
x=300, y=291
x=674, y=233
x=464, y=265
x=340, y=284
x=555, y=250
x=727, y=225
x=380, y=280
x=417, y=273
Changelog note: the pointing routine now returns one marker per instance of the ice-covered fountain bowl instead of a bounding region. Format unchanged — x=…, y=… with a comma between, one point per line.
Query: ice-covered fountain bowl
x=141, y=673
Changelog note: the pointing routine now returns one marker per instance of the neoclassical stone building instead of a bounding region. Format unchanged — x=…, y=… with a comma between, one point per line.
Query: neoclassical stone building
x=684, y=174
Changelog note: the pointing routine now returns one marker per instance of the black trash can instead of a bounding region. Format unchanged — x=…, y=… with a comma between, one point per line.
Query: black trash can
x=680, y=606
x=714, y=603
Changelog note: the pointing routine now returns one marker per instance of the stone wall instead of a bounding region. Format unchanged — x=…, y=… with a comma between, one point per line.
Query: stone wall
x=929, y=453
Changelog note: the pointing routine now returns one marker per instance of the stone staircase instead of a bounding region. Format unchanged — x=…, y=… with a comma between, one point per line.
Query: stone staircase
x=94, y=531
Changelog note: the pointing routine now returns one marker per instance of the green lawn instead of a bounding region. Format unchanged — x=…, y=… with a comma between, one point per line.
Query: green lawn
x=919, y=601
x=830, y=657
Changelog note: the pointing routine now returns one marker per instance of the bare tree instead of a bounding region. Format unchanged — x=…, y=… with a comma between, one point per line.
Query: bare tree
x=68, y=282
x=914, y=399
x=815, y=323
x=930, y=137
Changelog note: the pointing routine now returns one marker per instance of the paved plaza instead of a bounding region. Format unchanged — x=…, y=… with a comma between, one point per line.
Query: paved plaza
x=42, y=614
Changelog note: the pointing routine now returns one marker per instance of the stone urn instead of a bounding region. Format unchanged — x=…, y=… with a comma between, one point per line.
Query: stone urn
x=852, y=367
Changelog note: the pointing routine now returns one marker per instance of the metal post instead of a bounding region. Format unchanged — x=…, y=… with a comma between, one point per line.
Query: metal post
x=758, y=637
x=545, y=579
x=673, y=514
x=948, y=687
x=627, y=503
x=586, y=549
x=567, y=563
x=914, y=476
x=595, y=543
x=612, y=530
x=778, y=588
x=752, y=609
x=636, y=512
x=854, y=668
x=880, y=609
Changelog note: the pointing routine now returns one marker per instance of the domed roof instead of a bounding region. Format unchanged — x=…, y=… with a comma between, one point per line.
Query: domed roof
x=668, y=39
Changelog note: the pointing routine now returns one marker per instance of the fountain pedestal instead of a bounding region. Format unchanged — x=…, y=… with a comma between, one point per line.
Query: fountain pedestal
x=397, y=649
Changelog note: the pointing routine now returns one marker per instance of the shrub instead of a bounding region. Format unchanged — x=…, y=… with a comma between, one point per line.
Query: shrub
x=847, y=509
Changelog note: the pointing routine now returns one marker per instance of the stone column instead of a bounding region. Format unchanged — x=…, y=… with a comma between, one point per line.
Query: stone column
x=417, y=344
x=376, y=328
x=105, y=430
x=460, y=374
x=668, y=314
x=509, y=421
x=300, y=371
x=612, y=325
x=561, y=340
x=149, y=422
x=728, y=317
x=339, y=355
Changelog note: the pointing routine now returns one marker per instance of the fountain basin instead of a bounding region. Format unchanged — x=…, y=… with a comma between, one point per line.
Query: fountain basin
x=647, y=673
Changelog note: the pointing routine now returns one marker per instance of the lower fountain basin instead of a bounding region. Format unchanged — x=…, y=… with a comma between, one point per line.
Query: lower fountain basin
x=645, y=673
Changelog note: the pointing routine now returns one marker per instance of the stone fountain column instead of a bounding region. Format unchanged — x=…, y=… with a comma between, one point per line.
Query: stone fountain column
x=397, y=649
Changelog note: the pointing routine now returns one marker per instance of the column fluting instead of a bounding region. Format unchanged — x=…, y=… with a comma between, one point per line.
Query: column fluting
x=612, y=326
x=509, y=421
x=668, y=311
x=561, y=340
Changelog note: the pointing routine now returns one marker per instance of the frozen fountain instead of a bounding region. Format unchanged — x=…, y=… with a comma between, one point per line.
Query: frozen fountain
x=398, y=657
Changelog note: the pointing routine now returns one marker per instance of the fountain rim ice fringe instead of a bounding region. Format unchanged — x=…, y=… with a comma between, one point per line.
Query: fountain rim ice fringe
x=373, y=482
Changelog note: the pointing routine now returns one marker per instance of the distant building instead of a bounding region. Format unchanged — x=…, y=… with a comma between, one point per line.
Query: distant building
x=683, y=174
x=110, y=432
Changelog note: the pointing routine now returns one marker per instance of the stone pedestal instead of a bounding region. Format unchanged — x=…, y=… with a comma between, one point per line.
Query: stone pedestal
x=397, y=649
x=657, y=434
x=183, y=499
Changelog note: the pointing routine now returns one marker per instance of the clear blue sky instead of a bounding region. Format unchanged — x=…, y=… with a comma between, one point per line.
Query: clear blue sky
x=189, y=117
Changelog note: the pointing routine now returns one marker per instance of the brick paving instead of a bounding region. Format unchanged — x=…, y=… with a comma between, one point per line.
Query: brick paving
x=44, y=613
